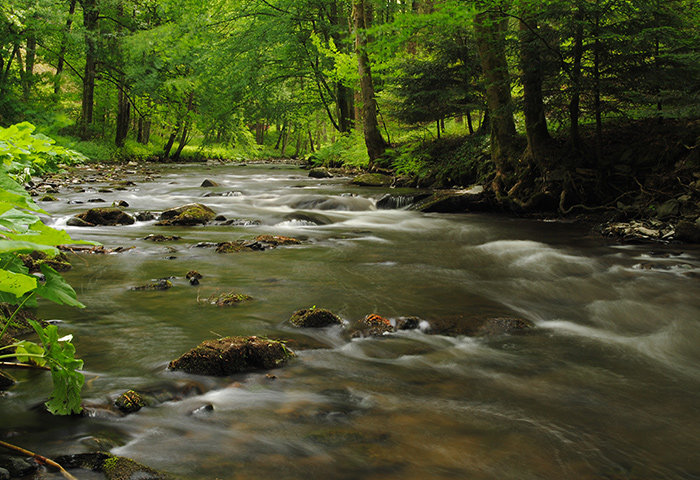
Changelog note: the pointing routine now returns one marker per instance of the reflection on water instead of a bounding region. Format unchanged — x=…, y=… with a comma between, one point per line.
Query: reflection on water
x=606, y=385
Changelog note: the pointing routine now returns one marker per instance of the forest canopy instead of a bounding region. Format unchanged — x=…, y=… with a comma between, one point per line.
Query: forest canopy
x=362, y=81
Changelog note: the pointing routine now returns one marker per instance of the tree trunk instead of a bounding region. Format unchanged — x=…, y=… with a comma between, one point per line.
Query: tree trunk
x=91, y=22
x=30, y=59
x=6, y=72
x=576, y=75
x=469, y=123
x=185, y=127
x=123, y=113
x=533, y=103
x=375, y=143
x=490, y=28
x=64, y=47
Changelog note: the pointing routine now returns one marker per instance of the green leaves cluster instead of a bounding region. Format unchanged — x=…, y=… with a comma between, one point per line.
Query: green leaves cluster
x=23, y=232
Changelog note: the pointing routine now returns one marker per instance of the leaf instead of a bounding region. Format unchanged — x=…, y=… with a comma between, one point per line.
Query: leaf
x=8, y=246
x=25, y=347
x=17, y=220
x=57, y=289
x=11, y=192
x=43, y=235
x=17, y=284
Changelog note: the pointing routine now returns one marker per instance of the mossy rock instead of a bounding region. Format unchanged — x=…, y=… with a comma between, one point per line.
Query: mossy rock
x=477, y=326
x=238, y=247
x=162, y=284
x=320, y=172
x=277, y=240
x=113, y=467
x=161, y=238
x=230, y=355
x=130, y=402
x=34, y=260
x=372, y=180
x=314, y=318
x=190, y=214
x=103, y=216
x=229, y=299
x=48, y=198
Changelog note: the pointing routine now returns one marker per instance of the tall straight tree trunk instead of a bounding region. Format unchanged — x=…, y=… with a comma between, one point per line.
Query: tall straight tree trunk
x=576, y=76
x=91, y=17
x=343, y=95
x=30, y=59
x=123, y=113
x=185, y=126
x=375, y=143
x=490, y=29
x=533, y=103
x=64, y=47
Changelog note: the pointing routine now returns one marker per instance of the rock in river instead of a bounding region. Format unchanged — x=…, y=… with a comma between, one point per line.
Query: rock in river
x=372, y=180
x=101, y=216
x=113, y=467
x=191, y=214
x=226, y=356
x=314, y=318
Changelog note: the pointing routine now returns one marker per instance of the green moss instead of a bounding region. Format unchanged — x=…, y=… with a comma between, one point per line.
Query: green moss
x=314, y=318
x=191, y=214
x=229, y=299
x=130, y=402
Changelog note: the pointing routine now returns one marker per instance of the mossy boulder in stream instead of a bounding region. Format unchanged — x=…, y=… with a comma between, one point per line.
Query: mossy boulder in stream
x=276, y=240
x=34, y=260
x=230, y=355
x=314, y=318
x=113, y=467
x=130, y=402
x=477, y=326
x=228, y=299
x=190, y=214
x=372, y=180
x=101, y=216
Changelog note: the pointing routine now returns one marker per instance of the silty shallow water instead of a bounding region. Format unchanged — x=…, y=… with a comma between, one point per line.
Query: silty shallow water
x=606, y=385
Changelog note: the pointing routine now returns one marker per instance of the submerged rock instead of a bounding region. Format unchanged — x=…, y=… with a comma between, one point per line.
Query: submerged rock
x=372, y=180
x=477, y=326
x=34, y=260
x=191, y=214
x=226, y=356
x=314, y=318
x=162, y=284
x=113, y=467
x=239, y=246
x=277, y=240
x=130, y=402
x=229, y=299
x=102, y=216
x=17, y=466
x=161, y=238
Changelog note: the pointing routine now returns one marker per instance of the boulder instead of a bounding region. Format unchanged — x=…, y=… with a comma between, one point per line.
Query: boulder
x=373, y=325
x=209, y=183
x=228, y=299
x=130, y=402
x=314, y=318
x=103, y=216
x=372, y=180
x=161, y=284
x=668, y=209
x=320, y=172
x=161, y=238
x=239, y=246
x=191, y=214
x=477, y=326
x=18, y=466
x=277, y=240
x=688, y=232
x=230, y=355
x=113, y=467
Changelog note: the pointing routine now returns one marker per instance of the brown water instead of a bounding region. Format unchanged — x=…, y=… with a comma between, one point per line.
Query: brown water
x=606, y=386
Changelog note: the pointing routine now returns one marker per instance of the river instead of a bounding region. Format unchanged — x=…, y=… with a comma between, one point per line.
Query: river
x=606, y=385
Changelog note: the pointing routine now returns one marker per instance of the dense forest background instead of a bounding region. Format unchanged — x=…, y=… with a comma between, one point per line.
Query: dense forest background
x=553, y=103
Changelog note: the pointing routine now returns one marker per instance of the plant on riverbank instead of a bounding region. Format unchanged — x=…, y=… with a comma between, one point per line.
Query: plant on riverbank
x=22, y=232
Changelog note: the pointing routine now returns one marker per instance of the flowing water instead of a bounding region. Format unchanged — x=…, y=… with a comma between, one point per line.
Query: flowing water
x=607, y=384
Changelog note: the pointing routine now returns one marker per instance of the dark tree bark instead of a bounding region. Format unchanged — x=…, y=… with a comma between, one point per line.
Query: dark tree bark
x=343, y=95
x=374, y=141
x=143, y=134
x=576, y=77
x=490, y=30
x=123, y=114
x=538, y=136
x=186, y=122
x=62, y=53
x=91, y=17
x=30, y=59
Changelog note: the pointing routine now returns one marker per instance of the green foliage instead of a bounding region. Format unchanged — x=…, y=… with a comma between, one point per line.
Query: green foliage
x=22, y=231
x=348, y=151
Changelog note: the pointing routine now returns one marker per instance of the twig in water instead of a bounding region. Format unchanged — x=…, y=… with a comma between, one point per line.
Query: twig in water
x=38, y=458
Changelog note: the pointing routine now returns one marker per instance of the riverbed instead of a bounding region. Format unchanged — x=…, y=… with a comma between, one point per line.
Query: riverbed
x=606, y=384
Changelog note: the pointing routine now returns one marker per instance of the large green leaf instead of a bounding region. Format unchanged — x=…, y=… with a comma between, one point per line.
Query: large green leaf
x=17, y=220
x=17, y=284
x=41, y=234
x=57, y=289
x=11, y=246
x=11, y=192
